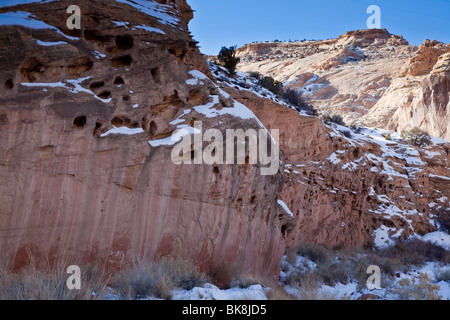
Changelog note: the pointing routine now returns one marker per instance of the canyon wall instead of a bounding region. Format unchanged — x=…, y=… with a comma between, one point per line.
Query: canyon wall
x=361, y=191
x=85, y=151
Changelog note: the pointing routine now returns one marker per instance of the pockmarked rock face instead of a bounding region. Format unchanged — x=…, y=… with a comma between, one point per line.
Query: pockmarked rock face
x=367, y=190
x=86, y=172
x=370, y=77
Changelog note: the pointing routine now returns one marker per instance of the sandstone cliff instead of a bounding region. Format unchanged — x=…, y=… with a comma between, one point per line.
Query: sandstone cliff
x=370, y=77
x=358, y=191
x=85, y=166
x=86, y=118
x=419, y=97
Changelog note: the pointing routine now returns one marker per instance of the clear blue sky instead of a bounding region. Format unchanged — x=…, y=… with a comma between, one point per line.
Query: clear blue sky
x=220, y=23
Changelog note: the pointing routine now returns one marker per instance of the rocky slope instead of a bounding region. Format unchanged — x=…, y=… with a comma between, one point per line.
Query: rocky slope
x=86, y=165
x=85, y=153
x=371, y=77
x=358, y=191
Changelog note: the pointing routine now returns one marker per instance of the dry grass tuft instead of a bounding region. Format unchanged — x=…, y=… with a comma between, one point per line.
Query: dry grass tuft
x=33, y=284
x=157, y=279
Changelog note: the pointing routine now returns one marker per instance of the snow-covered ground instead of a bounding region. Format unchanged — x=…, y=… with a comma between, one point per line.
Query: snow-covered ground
x=163, y=13
x=392, y=286
x=211, y=292
x=350, y=291
x=243, y=81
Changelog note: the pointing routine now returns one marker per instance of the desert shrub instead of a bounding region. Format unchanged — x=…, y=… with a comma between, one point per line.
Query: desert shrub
x=278, y=293
x=429, y=250
x=415, y=252
x=158, y=279
x=274, y=86
x=295, y=99
x=335, y=118
x=246, y=280
x=356, y=129
x=443, y=218
x=332, y=273
x=227, y=58
x=34, y=284
x=309, y=285
x=423, y=289
x=329, y=269
x=292, y=97
x=317, y=253
x=443, y=275
x=309, y=109
x=416, y=137
x=347, y=134
x=255, y=74
x=339, y=265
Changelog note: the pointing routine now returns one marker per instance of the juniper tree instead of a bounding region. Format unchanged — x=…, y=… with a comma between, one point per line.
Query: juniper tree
x=227, y=58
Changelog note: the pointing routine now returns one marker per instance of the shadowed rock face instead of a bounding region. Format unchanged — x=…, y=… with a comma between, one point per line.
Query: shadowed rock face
x=349, y=192
x=73, y=191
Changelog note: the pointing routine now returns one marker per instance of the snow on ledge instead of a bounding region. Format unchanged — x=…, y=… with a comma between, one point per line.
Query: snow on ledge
x=122, y=130
x=49, y=44
x=439, y=177
x=197, y=76
x=27, y=20
x=161, y=12
x=77, y=88
x=182, y=130
x=7, y=3
x=285, y=207
x=149, y=29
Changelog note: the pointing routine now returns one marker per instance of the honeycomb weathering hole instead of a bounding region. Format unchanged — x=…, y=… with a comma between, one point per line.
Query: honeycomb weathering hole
x=80, y=66
x=98, y=127
x=155, y=74
x=105, y=95
x=9, y=84
x=80, y=122
x=117, y=122
x=122, y=61
x=123, y=121
x=30, y=68
x=124, y=42
x=96, y=85
x=118, y=81
x=153, y=128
